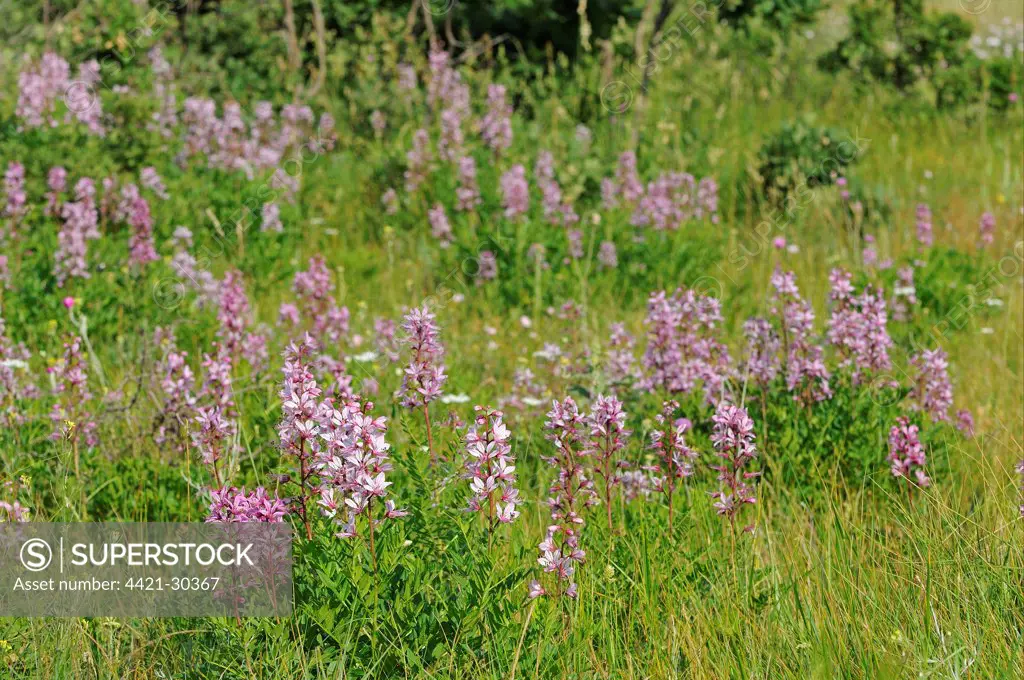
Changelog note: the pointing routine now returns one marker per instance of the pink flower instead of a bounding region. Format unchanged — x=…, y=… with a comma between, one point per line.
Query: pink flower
x=733, y=438
x=675, y=458
x=424, y=375
x=608, y=437
x=496, y=126
x=807, y=378
x=69, y=302
x=924, y=225
x=906, y=454
x=515, y=192
x=490, y=468
x=682, y=348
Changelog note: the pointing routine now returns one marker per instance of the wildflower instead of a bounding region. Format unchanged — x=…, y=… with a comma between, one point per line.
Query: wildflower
x=496, y=126
x=417, y=160
x=570, y=494
x=487, y=267
x=314, y=288
x=490, y=467
x=14, y=383
x=805, y=372
x=56, y=181
x=965, y=422
x=987, y=229
x=70, y=414
x=14, y=189
x=424, y=375
x=234, y=312
x=675, y=458
x=906, y=454
x=931, y=391
x=682, y=350
x=857, y=327
x=229, y=505
x=451, y=140
x=440, y=227
x=515, y=192
x=733, y=438
x=904, y=294
x=141, y=246
x=607, y=255
x=298, y=429
x=924, y=225
x=467, y=194
x=763, y=346
x=627, y=180
x=177, y=383
x=81, y=220
x=150, y=179
x=575, y=237
x=608, y=437
x=270, y=215
x=869, y=255
x=353, y=463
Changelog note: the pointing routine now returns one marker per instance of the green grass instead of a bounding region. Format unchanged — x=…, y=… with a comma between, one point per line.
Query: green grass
x=843, y=578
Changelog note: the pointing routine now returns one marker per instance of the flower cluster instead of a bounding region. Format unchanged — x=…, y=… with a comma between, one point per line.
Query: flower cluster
x=490, y=468
x=81, y=220
x=424, y=375
x=177, y=383
x=924, y=225
x=353, y=463
x=806, y=375
x=496, y=126
x=906, y=454
x=42, y=85
x=763, y=346
x=674, y=198
x=675, y=458
x=14, y=190
x=570, y=494
x=607, y=440
x=229, y=505
x=857, y=327
x=70, y=414
x=515, y=192
x=931, y=391
x=14, y=383
x=298, y=429
x=733, y=438
x=328, y=321
x=682, y=349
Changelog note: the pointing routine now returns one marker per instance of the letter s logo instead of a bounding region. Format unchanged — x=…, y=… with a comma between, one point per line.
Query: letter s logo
x=36, y=554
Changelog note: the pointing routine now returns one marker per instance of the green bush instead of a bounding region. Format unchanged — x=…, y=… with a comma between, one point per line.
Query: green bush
x=901, y=45
x=767, y=21
x=803, y=154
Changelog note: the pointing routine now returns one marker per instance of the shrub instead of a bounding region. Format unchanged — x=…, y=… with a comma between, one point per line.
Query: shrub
x=902, y=46
x=767, y=21
x=801, y=153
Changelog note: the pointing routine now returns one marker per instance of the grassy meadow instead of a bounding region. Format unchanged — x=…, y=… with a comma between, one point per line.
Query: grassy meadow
x=848, y=571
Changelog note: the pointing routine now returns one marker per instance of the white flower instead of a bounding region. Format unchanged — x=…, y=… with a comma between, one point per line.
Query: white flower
x=454, y=398
x=365, y=357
